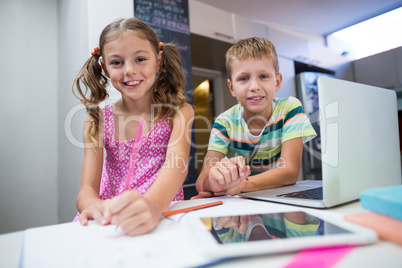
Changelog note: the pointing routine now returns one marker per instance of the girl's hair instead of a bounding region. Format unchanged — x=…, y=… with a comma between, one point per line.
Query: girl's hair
x=169, y=86
x=256, y=48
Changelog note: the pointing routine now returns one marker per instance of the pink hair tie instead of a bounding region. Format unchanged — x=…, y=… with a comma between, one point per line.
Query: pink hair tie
x=160, y=45
x=95, y=51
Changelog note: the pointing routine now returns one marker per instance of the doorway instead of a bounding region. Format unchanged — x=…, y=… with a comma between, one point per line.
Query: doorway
x=207, y=96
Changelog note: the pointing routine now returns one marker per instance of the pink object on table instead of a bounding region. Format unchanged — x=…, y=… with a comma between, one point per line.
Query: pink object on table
x=319, y=258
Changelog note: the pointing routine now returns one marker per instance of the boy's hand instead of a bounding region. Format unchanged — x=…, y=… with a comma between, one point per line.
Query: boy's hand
x=228, y=173
x=239, y=223
x=133, y=213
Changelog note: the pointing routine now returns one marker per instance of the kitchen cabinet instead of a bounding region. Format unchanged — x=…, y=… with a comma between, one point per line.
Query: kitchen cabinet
x=380, y=70
x=211, y=22
x=245, y=28
x=322, y=56
x=288, y=45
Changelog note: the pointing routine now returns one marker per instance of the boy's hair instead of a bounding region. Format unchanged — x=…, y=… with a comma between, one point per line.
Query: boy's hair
x=255, y=48
x=168, y=88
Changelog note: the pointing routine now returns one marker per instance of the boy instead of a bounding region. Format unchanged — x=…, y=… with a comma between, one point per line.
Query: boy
x=258, y=143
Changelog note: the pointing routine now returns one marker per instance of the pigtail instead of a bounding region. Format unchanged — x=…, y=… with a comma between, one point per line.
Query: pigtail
x=170, y=83
x=95, y=82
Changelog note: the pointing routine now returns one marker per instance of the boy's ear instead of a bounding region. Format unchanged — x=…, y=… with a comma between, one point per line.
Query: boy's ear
x=231, y=88
x=104, y=68
x=278, y=82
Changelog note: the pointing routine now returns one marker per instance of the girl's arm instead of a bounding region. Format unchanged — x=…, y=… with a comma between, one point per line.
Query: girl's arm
x=137, y=214
x=286, y=174
x=88, y=202
x=173, y=173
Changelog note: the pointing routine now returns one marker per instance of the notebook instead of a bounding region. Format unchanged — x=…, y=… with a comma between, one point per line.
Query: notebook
x=359, y=146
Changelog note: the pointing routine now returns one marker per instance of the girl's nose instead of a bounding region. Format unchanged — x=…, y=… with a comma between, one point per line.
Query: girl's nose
x=130, y=68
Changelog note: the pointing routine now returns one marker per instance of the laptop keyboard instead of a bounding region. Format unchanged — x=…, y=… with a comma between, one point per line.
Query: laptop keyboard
x=315, y=194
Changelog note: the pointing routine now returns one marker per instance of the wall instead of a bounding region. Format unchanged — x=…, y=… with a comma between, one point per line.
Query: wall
x=28, y=164
x=73, y=36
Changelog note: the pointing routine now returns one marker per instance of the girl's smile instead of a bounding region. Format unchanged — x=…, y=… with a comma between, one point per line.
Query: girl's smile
x=132, y=83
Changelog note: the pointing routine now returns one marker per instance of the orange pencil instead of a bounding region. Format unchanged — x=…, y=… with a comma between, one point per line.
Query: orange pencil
x=172, y=212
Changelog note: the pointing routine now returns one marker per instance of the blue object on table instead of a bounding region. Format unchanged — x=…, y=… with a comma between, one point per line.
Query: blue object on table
x=384, y=200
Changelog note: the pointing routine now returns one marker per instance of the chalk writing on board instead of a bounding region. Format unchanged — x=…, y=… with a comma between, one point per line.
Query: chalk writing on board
x=171, y=14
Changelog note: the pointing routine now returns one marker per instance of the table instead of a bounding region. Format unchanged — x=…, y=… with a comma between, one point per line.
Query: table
x=379, y=254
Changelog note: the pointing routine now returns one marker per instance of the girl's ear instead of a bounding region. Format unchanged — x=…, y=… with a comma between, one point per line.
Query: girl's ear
x=231, y=88
x=104, y=68
x=159, y=60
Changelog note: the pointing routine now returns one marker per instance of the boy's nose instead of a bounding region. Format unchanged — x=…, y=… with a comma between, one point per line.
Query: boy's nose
x=254, y=85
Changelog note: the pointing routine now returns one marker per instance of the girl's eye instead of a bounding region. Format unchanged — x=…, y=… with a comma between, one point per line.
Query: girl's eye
x=116, y=62
x=243, y=79
x=140, y=59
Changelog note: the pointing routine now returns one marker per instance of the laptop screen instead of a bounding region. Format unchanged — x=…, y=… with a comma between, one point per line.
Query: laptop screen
x=359, y=138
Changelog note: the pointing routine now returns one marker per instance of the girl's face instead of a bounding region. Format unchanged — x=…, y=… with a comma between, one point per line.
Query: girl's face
x=254, y=83
x=131, y=64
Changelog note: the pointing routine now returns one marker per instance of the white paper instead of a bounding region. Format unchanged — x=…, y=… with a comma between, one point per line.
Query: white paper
x=169, y=245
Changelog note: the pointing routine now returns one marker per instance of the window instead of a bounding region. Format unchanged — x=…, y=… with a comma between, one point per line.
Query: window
x=369, y=37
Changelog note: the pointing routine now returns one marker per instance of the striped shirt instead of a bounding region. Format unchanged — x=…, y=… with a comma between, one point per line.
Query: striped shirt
x=231, y=136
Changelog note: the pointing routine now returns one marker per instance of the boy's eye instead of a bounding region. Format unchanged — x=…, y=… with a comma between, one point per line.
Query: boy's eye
x=264, y=76
x=243, y=78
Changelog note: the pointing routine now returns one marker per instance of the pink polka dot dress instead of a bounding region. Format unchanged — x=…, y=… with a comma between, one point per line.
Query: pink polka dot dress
x=151, y=157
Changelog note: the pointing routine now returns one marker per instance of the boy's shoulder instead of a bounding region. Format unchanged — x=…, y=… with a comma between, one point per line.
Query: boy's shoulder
x=289, y=99
x=286, y=103
x=231, y=116
x=232, y=112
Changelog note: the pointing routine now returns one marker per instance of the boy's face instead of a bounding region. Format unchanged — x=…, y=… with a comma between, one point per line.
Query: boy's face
x=254, y=83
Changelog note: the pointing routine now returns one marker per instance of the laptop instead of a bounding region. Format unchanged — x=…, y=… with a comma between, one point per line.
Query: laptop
x=359, y=146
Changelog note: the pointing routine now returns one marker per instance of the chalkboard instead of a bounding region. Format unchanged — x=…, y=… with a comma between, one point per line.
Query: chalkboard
x=169, y=14
x=170, y=20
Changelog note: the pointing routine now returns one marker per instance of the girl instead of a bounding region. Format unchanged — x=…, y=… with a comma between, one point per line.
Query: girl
x=149, y=76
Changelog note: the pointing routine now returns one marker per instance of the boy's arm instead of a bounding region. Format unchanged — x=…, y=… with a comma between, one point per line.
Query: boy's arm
x=286, y=174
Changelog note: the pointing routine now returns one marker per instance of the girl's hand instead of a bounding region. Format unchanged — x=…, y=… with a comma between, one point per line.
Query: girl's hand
x=133, y=213
x=95, y=212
